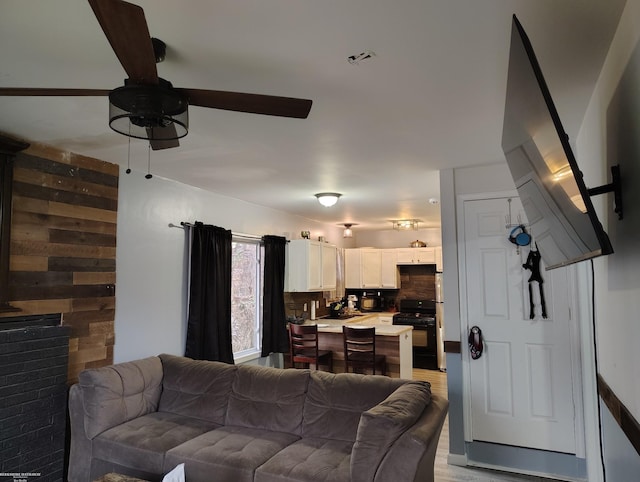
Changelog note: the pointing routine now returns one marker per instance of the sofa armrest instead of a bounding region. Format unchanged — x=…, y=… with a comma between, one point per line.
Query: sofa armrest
x=381, y=426
x=412, y=456
x=80, y=447
x=115, y=394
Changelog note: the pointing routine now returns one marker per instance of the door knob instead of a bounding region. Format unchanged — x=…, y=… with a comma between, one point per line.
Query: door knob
x=475, y=342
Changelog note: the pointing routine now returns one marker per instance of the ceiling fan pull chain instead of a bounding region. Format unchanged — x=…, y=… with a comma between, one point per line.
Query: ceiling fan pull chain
x=149, y=176
x=128, y=171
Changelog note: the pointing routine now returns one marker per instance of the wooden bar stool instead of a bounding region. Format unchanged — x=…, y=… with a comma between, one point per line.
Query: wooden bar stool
x=303, y=347
x=360, y=350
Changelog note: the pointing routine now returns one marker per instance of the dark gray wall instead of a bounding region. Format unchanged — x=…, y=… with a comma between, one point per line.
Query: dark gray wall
x=622, y=462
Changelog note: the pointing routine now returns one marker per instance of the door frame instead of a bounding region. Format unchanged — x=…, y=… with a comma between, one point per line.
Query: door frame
x=586, y=429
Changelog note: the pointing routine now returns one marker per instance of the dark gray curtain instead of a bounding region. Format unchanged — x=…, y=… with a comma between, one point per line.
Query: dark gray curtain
x=274, y=329
x=209, y=322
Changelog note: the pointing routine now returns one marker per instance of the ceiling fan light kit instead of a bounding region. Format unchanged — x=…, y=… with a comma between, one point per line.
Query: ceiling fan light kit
x=155, y=111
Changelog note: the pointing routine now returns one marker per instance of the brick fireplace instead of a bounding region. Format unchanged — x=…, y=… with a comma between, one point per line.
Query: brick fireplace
x=34, y=353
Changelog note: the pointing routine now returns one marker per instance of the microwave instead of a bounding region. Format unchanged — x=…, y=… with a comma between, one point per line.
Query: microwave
x=371, y=303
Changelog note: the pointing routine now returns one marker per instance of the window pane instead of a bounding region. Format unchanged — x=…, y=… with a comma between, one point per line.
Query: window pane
x=245, y=296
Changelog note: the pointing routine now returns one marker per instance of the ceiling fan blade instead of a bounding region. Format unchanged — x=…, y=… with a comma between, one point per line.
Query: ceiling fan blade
x=37, y=92
x=163, y=137
x=252, y=103
x=125, y=26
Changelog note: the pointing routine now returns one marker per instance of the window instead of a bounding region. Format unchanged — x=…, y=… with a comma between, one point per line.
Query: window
x=246, y=299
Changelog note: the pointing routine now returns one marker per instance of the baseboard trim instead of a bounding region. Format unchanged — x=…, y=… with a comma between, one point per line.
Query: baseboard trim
x=627, y=423
x=457, y=459
x=531, y=473
x=452, y=346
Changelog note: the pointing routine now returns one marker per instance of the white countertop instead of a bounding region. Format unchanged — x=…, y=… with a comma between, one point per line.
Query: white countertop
x=331, y=325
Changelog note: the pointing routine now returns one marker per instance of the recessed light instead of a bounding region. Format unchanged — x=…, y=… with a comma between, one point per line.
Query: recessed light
x=356, y=59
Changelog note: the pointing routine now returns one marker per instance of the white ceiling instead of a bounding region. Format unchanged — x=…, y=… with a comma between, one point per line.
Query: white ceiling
x=378, y=132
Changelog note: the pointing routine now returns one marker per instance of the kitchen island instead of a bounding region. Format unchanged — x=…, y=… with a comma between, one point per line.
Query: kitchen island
x=393, y=341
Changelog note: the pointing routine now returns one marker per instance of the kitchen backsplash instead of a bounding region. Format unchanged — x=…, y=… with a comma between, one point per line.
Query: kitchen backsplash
x=417, y=282
x=294, y=303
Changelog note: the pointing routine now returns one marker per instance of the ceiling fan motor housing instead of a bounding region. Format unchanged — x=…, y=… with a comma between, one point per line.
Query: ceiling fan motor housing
x=149, y=111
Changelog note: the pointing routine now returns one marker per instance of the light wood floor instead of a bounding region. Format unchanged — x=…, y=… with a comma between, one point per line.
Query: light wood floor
x=452, y=473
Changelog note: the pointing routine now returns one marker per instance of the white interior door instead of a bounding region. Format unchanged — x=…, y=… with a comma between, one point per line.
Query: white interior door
x=521, y=386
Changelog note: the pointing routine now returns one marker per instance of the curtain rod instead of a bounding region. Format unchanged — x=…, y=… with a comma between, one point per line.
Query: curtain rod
x=184, y=224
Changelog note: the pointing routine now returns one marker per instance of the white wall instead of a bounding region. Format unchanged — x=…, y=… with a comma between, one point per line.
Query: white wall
x=150, y=296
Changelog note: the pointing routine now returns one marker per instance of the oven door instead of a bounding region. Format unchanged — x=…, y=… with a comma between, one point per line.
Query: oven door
x=425, y=353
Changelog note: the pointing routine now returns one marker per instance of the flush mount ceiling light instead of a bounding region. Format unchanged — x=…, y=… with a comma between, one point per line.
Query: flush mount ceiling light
x=348, y=232
x=405, y=224
x=328, y=199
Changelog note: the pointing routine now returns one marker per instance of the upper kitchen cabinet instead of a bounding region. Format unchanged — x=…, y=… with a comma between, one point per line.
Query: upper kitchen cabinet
x=310, y=266
x=416, y=256
x=352, y=268
x=371, y=268
x=389, y=274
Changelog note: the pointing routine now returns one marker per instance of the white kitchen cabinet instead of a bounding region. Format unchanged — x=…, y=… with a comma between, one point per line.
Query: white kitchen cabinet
x=370, y=268
x=310, y=266
x=385, y=319
x=389, y=274
x=352, y=271
x=416, y=256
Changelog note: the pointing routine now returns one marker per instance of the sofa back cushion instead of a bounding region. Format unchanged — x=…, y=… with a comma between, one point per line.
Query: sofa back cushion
x=335, y=402
x=196, y=388
x=268, y=398
x=118, y=393
x=381, y=426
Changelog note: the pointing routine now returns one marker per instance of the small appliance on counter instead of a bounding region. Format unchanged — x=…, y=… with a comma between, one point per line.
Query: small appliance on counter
x=339, y=310
x=371, y=301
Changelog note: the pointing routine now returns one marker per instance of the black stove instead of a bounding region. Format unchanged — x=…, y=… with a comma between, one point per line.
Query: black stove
x=416, y=313
x=421, y=315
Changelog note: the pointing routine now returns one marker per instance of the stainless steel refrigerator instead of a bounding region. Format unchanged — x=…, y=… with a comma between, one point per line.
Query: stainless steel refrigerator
x=442, y=360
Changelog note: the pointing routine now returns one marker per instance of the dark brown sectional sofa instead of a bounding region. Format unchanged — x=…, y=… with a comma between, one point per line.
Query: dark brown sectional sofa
x=248, y=423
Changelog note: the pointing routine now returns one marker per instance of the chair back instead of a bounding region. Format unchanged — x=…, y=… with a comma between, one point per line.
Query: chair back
x=303, y=340
x=359, y=345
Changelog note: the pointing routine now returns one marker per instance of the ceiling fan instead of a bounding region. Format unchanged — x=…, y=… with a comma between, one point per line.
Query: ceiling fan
x=147, y=106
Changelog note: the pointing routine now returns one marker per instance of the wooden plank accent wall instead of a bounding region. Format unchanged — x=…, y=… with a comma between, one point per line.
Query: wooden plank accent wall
x=63, y=247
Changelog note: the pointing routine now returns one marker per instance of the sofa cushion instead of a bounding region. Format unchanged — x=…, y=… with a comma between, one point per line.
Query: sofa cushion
x=227, y=453
x=381, y=426
x=335, y=402
x=196, y=388
x=309, y=459
x=141, y=443
x=268, y=398
x=118, y=393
